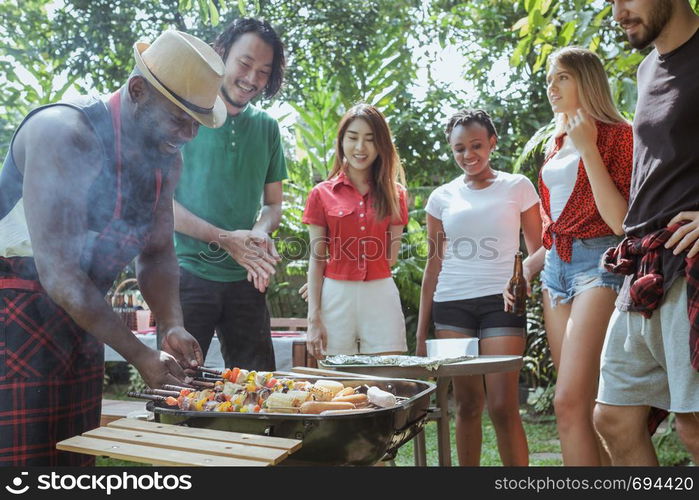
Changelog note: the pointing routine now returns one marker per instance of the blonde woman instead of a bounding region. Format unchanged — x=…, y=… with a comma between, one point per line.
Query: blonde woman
x=584, y=188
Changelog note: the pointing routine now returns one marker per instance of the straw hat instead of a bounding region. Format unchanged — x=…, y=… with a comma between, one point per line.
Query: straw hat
x=186, y=71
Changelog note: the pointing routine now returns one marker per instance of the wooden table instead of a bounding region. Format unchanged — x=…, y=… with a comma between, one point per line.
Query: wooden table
x=165, y=444
x=480, y=365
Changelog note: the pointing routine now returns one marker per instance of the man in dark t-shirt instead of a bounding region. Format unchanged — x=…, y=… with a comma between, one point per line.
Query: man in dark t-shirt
x=649, y=361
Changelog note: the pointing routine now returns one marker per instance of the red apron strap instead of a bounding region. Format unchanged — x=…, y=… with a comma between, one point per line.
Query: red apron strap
x=158, y=187
x=115, y=106
x=21, y=284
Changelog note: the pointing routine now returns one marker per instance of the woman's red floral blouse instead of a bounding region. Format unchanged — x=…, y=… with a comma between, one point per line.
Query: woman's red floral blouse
x=580, y=217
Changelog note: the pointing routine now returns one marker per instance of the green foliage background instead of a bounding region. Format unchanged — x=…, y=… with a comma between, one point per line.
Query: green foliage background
x=340, y=53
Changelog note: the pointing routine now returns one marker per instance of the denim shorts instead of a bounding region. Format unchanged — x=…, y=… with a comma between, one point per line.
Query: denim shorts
x=565, y=280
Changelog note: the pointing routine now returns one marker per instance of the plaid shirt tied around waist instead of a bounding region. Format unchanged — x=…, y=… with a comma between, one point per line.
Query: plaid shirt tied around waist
x=641, y=257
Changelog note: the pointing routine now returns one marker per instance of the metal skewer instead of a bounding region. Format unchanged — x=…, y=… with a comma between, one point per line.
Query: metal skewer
x=209, y=370
x=141, y=395
x=162, y=392
x=178, y=388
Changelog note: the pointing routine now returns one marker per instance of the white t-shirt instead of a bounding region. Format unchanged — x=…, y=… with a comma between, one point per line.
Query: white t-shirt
x=482, y=229
x=560, y=174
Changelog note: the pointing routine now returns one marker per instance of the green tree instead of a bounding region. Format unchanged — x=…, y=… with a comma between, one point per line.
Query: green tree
x=33, y=70
x=48, y=47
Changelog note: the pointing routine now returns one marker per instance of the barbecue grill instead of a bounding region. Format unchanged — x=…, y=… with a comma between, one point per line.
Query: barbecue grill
x=361, y=438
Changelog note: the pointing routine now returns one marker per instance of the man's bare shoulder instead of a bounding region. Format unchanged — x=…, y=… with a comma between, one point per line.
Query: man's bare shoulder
x=61, y=136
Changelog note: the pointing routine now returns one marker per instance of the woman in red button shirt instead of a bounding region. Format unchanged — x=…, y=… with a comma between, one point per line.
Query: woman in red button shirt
x=584, y=187
x=355, y=221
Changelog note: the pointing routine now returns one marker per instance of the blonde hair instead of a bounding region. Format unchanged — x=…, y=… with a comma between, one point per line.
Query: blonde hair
x=593, y=86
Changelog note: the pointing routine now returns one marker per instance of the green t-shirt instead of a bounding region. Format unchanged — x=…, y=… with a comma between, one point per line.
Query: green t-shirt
x=223, y=178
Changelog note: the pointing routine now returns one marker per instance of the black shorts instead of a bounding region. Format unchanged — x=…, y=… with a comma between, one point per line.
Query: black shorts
x=481, y=317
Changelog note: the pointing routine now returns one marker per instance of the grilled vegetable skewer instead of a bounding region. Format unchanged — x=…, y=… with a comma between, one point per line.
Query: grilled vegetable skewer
x=243, y=391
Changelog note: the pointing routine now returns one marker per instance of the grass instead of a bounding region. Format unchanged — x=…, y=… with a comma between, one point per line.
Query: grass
x=541, y=436
x=113, y=462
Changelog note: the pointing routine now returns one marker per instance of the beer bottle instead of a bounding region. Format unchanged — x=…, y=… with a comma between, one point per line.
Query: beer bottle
x=518, y=288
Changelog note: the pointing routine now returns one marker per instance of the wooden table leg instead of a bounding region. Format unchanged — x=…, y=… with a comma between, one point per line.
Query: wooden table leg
x=443, y=443
x=420, y=449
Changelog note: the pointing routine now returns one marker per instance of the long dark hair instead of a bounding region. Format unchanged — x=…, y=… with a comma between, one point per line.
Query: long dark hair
x=386, y=170
x=264, y=30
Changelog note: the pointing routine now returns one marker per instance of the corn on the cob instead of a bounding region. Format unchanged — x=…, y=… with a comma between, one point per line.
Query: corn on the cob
x=325, y=390
x=287, y=400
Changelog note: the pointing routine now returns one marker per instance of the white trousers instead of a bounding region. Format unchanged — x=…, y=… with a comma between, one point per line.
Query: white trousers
x=362, y=317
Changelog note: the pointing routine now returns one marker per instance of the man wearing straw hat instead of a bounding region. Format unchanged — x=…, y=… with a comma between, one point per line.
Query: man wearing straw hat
x=86, y=187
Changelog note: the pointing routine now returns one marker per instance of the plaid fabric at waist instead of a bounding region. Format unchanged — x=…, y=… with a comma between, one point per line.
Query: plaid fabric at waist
x=18, y=268
x=640, y=257
x=21, y=284
x=51, y=373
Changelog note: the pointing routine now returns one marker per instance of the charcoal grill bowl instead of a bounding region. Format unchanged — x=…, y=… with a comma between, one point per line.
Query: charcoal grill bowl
x=351, y=439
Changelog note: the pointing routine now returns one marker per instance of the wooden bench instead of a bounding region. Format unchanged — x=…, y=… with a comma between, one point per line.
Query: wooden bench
x=289, y=323
x=165, y=444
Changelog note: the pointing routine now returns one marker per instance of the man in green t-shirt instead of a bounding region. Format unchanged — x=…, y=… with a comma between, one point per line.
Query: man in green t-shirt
x=229, y=199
